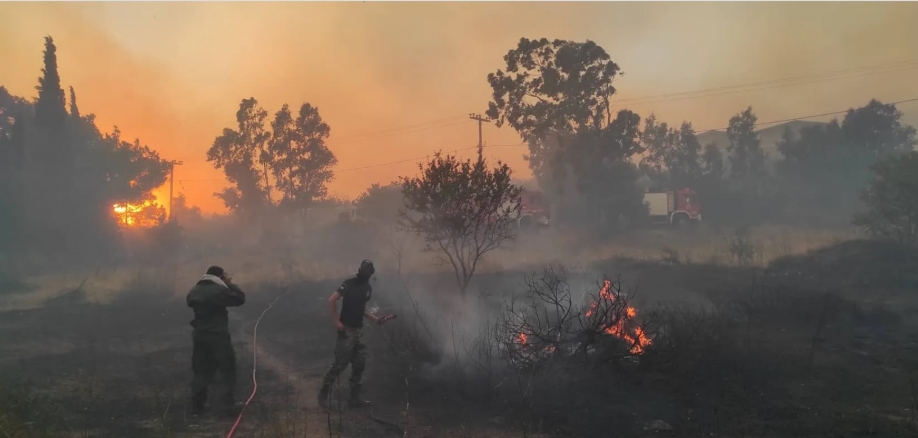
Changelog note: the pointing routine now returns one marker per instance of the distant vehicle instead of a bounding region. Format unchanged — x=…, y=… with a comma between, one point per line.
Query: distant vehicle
x=535, y=212
x=678, y=208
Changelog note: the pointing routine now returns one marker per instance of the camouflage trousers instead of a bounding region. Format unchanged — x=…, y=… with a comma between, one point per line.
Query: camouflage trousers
x=349, y=350
x=213, y=356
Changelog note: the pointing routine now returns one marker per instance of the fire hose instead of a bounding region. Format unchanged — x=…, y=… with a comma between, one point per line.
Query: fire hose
x=232, y=430
x=254, y=365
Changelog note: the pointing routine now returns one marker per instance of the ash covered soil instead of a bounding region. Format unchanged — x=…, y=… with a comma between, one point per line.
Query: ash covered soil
x=822, y=344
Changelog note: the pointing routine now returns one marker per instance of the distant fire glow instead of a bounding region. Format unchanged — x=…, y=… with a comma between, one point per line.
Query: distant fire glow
x=142, y=215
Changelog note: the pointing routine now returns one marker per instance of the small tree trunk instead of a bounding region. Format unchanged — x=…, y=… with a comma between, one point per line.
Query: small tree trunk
x=267, y=184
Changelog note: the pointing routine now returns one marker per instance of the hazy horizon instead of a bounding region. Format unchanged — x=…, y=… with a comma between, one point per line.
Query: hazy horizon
x=172, y=74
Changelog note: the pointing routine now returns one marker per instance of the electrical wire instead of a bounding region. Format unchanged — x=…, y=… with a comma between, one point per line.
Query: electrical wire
x=416, y=127
x=232, y=430
x=421, y=157
x=666, y=97
x=807, y=117
x=406, y=160
x=772, y=122
x=774, y=83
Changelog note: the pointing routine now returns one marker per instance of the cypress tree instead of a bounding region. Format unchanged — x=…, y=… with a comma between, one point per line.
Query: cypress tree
x=50, y=111
x=74, y=110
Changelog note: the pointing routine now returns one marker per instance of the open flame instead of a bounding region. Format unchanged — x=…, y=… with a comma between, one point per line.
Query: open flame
x=624, y=329
x=621, y=324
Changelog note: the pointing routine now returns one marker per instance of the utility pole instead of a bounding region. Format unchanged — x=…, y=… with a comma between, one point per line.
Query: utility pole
x=480, y=143
x=172, y=165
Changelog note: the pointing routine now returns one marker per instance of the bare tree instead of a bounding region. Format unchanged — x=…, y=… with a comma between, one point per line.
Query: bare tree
x=462, y=209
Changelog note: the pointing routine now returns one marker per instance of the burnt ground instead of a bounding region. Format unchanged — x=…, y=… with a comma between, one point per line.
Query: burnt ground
x=819, y=345
x=122, y=370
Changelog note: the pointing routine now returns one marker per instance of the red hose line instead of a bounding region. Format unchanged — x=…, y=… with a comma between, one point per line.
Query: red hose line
x=254, y=366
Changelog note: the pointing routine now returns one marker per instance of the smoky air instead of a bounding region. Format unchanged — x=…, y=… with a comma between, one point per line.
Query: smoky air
x=427, y=220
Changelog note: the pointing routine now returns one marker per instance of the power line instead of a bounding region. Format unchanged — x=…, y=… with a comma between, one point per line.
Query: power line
x=480, y=120
x=794, y=80
x=422, y=157
x=772, y=122
x=707, y=92
x=715, y=91
x=416, y=127
x=808, y=117
x=774, y=83
x=391, y=163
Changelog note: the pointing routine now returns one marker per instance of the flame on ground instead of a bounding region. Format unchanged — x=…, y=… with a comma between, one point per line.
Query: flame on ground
x=623, y=328
x=522, y=338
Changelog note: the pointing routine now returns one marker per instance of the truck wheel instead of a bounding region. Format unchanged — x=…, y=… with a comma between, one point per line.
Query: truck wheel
x=680, y=221
x=526, y=222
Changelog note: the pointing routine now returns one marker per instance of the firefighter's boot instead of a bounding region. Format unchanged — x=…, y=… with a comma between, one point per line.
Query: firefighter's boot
x=323, y=396
x=356, y=401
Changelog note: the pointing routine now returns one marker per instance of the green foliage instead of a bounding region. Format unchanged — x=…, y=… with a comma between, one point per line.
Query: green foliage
x=300, y=161
x=712, y=160
x=673, y=155
x=556, y=95
x=132, y=170
x=463, y=210
x=553, y=86
x=74, y=110
x=238, y=153
x=50, y=112
x=891, y=200
x=878, y=128
x=381, y=203
x=747, y=160
x=291, y=156
x=61, y=176
x=825, y=166
x=184, y=213
x=605, y=176
x=550, y=90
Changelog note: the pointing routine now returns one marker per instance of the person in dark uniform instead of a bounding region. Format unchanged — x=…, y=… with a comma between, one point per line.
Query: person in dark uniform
x=349, y=348
x=213, y=347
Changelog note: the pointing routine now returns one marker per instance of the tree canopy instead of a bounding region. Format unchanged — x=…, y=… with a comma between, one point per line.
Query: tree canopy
x=891, y=200
x=381, y=203
x=825, y=166
x=463, y=210
x=62, y=176
x=673, y=156
x=550, y=90
x=291, y=158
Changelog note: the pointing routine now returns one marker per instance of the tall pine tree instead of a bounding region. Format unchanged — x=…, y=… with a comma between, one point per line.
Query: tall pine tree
x=50, y=111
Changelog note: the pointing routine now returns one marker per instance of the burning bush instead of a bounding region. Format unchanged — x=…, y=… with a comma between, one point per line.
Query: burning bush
x=547, y=322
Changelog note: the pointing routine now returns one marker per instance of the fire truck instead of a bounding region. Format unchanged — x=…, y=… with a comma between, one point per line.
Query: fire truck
x=535, y=212
x=680, y=207
x=677, y=208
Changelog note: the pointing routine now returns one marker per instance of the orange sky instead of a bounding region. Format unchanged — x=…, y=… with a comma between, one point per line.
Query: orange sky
x=173, y=74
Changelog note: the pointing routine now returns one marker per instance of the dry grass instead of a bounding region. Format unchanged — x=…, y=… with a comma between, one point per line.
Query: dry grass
x=252, y=265
x=135, y=334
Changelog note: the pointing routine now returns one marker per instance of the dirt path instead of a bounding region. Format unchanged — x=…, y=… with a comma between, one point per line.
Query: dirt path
x=305, y=380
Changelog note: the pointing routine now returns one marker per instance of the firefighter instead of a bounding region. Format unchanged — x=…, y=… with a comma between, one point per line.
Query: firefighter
x=349, y=348
x=213, y=348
